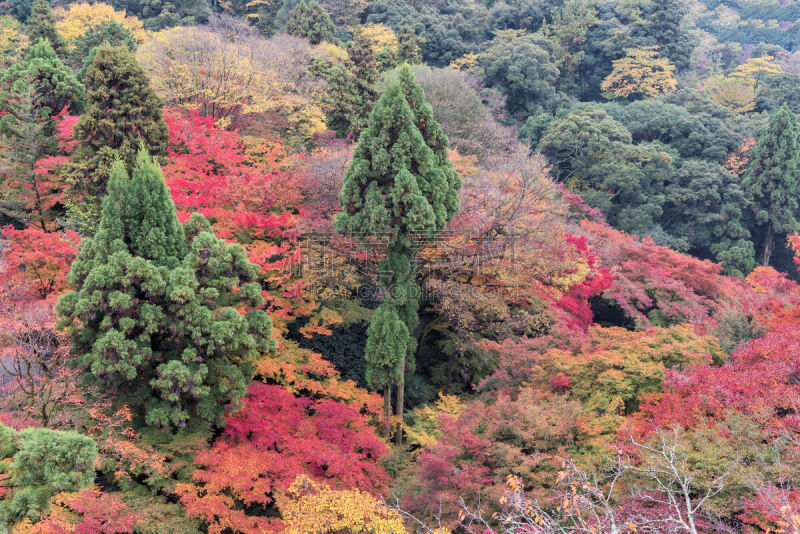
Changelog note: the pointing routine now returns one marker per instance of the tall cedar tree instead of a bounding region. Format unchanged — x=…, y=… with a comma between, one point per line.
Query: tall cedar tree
x=772, y=180
x=122, y=112
x=154, y=318
x=352, y=91
x=399, y=188
x=42, y=25
x=311, y=22
x=33, y=90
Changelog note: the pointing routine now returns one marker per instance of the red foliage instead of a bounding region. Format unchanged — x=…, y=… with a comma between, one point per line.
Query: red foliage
x=250, y=195
x=100, y=513
x=38, y=259
x=759, y=380
x=272, y=439
x=649, y=277
x=576, y=300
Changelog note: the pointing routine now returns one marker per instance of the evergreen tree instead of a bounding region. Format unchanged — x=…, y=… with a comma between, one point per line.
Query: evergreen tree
x=23, y=135
x=54, y=84
x=772, y=179
x=352, y=91
x=42, y=25
x=311, y=22
x=408, y=45
x=110, y=32
x=154, y=317
x=122, y=112
x=45, y=462
x=397, y=188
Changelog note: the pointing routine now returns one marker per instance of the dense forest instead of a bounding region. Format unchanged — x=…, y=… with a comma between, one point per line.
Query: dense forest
x=400, y=266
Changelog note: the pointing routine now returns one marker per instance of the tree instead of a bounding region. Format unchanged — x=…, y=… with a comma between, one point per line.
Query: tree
x=81, y=17
x=641, y=73
x=594, y=156
x=755, y=70
x=122, y=113
x=275, y=438
x=524, y=69
x=311, y=22
x=228, y=71
x=704, y=205
x=772, y=179
x=85, y=45
x=53, y=84
x=351, y=93
x=396, y=187
x=42, y=25
x=155, y=314
x=45, y=462
x=317, y=509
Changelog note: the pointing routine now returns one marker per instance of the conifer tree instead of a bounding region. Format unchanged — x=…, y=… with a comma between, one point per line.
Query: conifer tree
x=772, y=179
x=352, y=91
x=408, y=44
x=122, y=112
x=311, y=22
x=396, y=187
x=154, y=317
x=54, y=85
x=42, y=25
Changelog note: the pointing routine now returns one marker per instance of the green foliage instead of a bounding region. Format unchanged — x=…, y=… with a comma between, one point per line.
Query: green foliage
x=154, y=317
x=594, y=156
x=351, y=93
x=53, y=84
x=693, y=135
x=159, y=14
x=112, y=33
x=122, y=112
x=523, y=68
x=772, y=180
x=399, y=183
x=45, y=463
x=311, y=22
x=774, y=91
x=42, y=25
x=706, y=206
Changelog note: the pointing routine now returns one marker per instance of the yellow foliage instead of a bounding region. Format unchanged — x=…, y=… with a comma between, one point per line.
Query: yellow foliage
x=330, y=52
x=737, y=95
x=755, y=70
x=317, y=509
x=640, y=72
x=465, y=62
x=425, y=429
x=72, y=23
x=381, y=37
x=12, y=41
x=227, y=77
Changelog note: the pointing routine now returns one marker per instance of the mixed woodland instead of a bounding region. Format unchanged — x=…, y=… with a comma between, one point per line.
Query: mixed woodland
x=399, y=266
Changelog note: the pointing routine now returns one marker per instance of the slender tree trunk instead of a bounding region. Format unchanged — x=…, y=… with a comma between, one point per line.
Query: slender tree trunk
x=768, y=245
x=401, y=386
x=387, y=409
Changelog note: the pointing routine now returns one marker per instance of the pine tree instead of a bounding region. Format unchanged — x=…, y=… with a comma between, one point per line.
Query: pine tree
x=311, y=22
x=397, y=188
x=42, y=25
x=54, y=84
x=772, y=179
x=154, y=317
x=122, y=112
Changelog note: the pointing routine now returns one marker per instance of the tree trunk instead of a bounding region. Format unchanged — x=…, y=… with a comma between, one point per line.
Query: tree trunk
x=401, y=386
x=768, y=245
x=387, y=408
